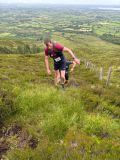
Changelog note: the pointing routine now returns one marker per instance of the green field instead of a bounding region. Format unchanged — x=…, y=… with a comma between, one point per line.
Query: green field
x=39, y=121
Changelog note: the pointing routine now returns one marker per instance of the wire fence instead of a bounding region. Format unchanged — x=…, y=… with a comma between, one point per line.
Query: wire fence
x=99, y=71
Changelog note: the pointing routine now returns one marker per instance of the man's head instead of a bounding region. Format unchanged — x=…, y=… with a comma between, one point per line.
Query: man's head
x=48, y=43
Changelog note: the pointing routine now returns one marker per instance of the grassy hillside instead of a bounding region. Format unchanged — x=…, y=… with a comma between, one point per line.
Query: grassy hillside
x=40, y=121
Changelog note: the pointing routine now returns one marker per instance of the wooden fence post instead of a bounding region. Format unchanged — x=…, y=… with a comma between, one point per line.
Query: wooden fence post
x=87, y=65
x=109, y=76
x=101, y=74
x=91, y=66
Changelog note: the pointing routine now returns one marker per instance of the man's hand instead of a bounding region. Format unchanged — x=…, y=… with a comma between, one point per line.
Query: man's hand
x=49, y=72
x=77, y=61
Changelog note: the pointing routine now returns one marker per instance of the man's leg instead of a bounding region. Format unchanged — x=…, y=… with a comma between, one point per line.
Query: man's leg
x=62, y=72
x=66, y=77
x=57, y=77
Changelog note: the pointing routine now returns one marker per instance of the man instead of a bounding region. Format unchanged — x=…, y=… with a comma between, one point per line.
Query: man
x=55, y=51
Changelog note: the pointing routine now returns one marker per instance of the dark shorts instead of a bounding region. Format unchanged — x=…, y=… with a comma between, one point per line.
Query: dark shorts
x=60, y=65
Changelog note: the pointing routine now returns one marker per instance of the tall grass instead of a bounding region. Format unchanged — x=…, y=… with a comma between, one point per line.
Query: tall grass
x=78, y=123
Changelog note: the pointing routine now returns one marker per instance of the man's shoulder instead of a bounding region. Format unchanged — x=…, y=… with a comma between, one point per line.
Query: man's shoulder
x=58, y=46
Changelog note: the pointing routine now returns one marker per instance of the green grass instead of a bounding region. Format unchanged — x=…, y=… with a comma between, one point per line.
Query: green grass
x=2, y=35
x=107, y=27
x=82, y=119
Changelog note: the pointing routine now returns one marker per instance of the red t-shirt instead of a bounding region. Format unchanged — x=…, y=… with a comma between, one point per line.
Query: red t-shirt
x=56, y=48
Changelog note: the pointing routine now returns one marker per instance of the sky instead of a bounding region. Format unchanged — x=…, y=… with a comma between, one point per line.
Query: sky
x=104, y=2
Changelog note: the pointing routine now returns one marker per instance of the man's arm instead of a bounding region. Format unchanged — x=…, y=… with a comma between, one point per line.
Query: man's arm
x=47, y=65
x=72, y=55
x=73, y=66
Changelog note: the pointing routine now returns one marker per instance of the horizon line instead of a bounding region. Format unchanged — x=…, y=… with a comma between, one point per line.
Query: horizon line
x=56, y=3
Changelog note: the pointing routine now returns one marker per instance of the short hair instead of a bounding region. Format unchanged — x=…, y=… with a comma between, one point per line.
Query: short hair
x=47, y=40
